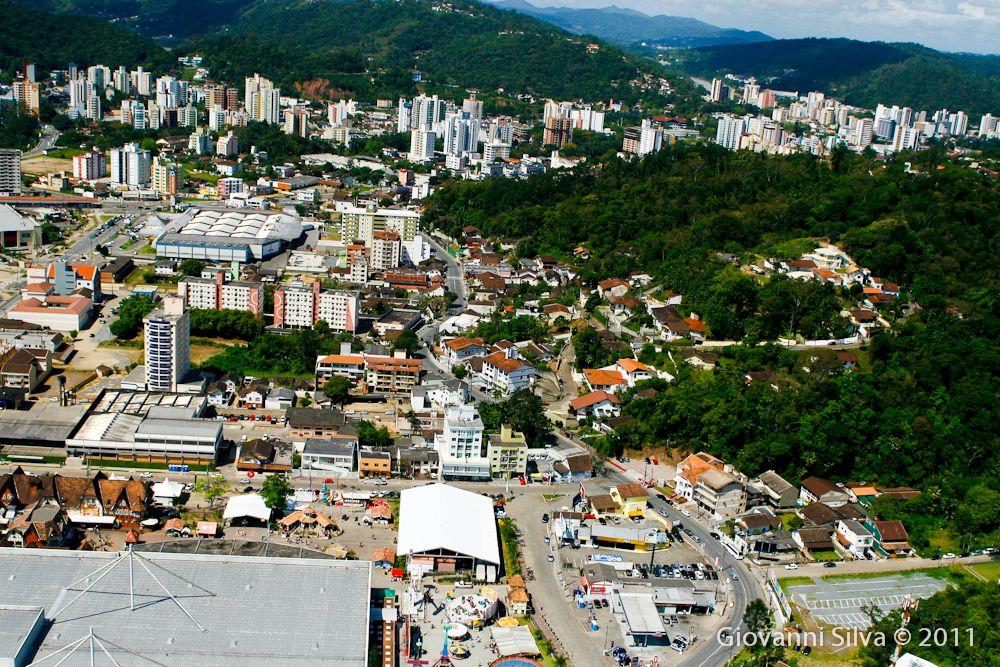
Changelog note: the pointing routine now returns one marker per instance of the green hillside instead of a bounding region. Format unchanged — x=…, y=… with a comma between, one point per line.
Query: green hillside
x=53, y=40
x=375, y=47
x=863, y=73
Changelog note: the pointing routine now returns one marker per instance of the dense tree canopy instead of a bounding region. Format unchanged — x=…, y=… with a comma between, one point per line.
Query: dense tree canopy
x=130, y=313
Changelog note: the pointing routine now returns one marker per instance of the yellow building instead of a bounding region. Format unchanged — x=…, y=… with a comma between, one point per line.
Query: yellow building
x=631, y=498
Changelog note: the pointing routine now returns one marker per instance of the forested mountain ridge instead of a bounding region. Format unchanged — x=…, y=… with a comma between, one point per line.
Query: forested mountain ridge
x=372, y=47
x=625, y=26
x=862, y=73
x=53, y=40
x=922, y=410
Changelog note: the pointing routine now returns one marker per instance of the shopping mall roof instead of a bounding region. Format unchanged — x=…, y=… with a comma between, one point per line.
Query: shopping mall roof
x=255, y=611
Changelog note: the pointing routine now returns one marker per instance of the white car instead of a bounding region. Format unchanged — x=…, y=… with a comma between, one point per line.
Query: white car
x=686, y=512
x=145, y=475
x=791, y=566
x=462, y=584
x=552, y=558
x=380, y=482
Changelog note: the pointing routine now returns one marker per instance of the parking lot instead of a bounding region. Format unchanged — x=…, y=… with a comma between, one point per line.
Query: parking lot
x=679, y=559
x=839, y=601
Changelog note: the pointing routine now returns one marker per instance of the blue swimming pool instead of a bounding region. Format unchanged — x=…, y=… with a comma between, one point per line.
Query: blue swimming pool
x=515, y=662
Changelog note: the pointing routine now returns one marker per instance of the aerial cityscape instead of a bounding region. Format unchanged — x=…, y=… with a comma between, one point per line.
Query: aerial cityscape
x=375, y=333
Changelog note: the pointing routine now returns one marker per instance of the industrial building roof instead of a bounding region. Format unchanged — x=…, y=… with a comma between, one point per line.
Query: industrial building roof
x=11, y=220
x=48, y=422
x=439, y=516
x=255, y=611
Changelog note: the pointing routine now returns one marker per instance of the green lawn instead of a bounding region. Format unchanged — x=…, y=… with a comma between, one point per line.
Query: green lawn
x=147, y=250
x=794, y=581
x=547, y=659
x=552, y=496
x=511, y=550
x=109, y=463
x=64, y=153
x=824, y=556
x=128, y=244
x=989, y=570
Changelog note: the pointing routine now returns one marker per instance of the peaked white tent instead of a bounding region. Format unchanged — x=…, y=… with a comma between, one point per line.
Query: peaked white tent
x=166, y=492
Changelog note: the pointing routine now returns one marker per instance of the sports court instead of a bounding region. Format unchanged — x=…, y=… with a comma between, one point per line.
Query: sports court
x=839, y=601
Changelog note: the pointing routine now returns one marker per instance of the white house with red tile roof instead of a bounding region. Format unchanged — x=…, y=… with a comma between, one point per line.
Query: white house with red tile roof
x=604, y=379
x=458, y=350
x=506, y=372
x=634, y=371
x=612, y=287
x=595, y=404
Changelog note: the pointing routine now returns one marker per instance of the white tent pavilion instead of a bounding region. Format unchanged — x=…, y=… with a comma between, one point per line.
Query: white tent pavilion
x=166, y=492
x=249, y=506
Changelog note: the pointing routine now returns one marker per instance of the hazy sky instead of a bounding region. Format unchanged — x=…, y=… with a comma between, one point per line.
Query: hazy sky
x=950, y=25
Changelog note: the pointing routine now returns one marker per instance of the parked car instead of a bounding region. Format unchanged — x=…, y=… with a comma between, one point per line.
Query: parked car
x=552, y=558
x=791, y=566
x=145, y=475
x=829, y=564
x=545, y=518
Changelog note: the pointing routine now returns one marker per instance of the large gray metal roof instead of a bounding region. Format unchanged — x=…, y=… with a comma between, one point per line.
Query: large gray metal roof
x=261, y=611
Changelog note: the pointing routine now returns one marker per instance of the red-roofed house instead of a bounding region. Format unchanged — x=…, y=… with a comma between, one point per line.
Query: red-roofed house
x=458, y=350
x=612, y=287
x=595, y=404
x=600, y=379
x=505, y=372
x=60, y=313
x=634, y=371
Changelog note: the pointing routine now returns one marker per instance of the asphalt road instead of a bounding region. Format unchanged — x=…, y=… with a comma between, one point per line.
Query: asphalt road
x=707, y=652
x=45, y=142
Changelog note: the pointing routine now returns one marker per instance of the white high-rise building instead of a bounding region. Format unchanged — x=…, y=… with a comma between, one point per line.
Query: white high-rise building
x=473, y=107
x=262, y=100
x=99, y=76
x=302, y=305
x=142, y=80
x=905, y=138
x=130, y=166
x=137, y=113
x=650, y=138
x=10, y=171
x=78, y=96
x=864, y=129
x=587, y=119
x=495, y=151
x=422, y=145
x=154, y=115
x=90, y=166
x=959, y=124
x=216, y=118
x=122, y=81
x=460, y=445
x=988, y=125
x=385, y=251
x=337, y=112
x=228, y=145
x=404, y=115
x=729, y=132
x=461, y=134
x=426, y=112
x=187, y=116
x=717, y=90
x=93, y=110
x=200, y=142
x=167, y=343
